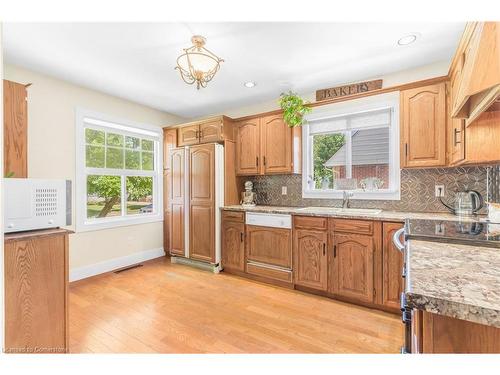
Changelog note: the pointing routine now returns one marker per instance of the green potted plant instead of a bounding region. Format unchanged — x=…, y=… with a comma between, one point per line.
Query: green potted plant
x=294, y=108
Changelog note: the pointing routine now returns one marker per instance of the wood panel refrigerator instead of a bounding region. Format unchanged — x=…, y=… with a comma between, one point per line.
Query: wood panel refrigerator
x=196, y=195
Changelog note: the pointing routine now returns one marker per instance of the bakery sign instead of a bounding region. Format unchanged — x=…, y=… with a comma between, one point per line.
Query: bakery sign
x=355, y=88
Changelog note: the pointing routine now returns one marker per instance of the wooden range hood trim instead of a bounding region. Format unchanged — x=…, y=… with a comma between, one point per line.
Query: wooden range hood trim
x=405, y=86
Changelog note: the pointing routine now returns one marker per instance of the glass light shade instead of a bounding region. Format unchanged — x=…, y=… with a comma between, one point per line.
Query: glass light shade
x=197, y=64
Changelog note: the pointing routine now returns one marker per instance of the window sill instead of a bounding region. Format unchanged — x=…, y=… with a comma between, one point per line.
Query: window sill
x=392, y=195
x=107, y=223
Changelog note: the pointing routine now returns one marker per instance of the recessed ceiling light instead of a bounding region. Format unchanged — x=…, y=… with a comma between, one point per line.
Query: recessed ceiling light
x=407, y=39
x=249, y=84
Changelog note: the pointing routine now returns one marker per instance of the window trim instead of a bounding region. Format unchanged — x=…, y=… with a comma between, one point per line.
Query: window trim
x=136, y=129
x=350, y=107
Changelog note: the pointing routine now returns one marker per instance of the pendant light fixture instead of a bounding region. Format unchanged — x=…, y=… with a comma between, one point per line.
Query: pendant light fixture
x=198, y=64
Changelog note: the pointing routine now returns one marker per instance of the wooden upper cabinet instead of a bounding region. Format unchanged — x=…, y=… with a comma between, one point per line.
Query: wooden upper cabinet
x=189, y=135
x=352, y=272
x=202, y=202
x=310, y=258
x=266, y=145
x=169, y=142
x=423, y=126
x=392, y=266
x=210, y=131
x=268, y=245
x=247, y=147
x=217, y=129
x=15, y=114
x=276, y=145
x=233, y=245
x=176, y=201
x=456, y=126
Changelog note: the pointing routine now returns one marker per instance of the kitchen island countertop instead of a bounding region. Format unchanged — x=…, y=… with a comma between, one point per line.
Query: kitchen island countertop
x=459, y=281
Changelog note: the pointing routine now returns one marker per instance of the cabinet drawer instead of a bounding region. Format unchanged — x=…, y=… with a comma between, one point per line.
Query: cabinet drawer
x=269, y=272
x=353, y=226
x=316, y=223
x=233, y=216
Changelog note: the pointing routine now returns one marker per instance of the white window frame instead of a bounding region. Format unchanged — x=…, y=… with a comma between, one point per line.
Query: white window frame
x=108, y=123
x=346, y=108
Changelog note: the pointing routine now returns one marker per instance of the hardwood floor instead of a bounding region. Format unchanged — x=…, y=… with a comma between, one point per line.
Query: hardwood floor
x=171, y=308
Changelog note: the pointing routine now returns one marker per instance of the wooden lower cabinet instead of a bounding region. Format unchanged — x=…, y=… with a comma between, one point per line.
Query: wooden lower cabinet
x=352, y=271
x=176, y=237
x=272, y=246
x=36, y=291
x=443, y=334
x=310, y=258
x=233, y=245
x=392, y=267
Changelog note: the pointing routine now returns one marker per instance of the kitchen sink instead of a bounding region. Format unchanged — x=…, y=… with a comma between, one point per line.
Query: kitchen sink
x=339, y=210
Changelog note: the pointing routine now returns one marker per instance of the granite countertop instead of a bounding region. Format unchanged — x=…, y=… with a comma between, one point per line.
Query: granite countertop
x=398, y=216
x=459, y=281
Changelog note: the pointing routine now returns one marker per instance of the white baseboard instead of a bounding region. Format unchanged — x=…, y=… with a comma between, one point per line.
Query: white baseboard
x=113, y=264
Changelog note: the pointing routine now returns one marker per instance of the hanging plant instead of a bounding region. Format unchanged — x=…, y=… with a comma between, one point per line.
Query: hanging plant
x=294, y=108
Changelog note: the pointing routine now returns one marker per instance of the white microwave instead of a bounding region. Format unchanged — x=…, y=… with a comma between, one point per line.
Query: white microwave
x=32, y=203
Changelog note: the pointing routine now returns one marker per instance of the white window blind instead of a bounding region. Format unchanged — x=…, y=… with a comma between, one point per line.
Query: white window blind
x=364, y=120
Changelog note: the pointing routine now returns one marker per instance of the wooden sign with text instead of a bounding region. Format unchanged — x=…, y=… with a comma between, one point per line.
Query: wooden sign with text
x=355, y=88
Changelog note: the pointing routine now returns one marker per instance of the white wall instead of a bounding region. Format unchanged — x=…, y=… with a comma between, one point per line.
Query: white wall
x=393, y=79
x=51, y=154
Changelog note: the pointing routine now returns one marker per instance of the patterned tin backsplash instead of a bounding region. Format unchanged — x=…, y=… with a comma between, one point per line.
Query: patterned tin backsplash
x=417, y=189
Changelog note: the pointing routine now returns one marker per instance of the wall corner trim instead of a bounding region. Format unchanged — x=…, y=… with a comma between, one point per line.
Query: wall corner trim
x=113, y=264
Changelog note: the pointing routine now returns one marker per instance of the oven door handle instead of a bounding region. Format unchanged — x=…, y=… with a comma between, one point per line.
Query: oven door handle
x=397, y=241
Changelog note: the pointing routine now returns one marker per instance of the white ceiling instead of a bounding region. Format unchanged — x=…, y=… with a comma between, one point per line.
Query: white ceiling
x=136, y=60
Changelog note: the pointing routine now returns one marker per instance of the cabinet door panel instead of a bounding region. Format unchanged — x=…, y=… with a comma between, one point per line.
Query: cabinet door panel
x=202, y=173
x=424, y=126
x=176, y=202
x=15, y=129
x=211, y=131
x=456, y=133
x=201, y=232
x=233, y=245
x=392, y=264
x=310, y=266
x=247, y=147
x=276, y=145
x=176, y=237
x=177, y=172
x=269, y=245
x=202, y=202
x=169, y=142
x=189, y=135
x=166, y=210
x=35, y=294
x=353, y=266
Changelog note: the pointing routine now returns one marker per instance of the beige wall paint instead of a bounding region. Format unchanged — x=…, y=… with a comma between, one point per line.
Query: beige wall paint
x=51, y=154
x=393, y=79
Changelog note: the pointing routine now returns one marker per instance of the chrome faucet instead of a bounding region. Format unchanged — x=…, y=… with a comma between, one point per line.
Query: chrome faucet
x=346, y=199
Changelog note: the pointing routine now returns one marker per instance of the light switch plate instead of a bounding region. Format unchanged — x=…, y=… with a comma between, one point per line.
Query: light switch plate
x=284, y=190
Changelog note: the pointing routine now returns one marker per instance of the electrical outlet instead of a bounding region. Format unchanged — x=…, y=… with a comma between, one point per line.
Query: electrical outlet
x=439, y=190
x=284, y=190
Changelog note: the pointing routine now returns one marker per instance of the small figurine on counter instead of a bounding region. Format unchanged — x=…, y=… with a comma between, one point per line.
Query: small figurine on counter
x=248, y=196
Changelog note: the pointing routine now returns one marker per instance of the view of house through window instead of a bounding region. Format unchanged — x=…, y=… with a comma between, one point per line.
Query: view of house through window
x=360, y=155
x=351, y=152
